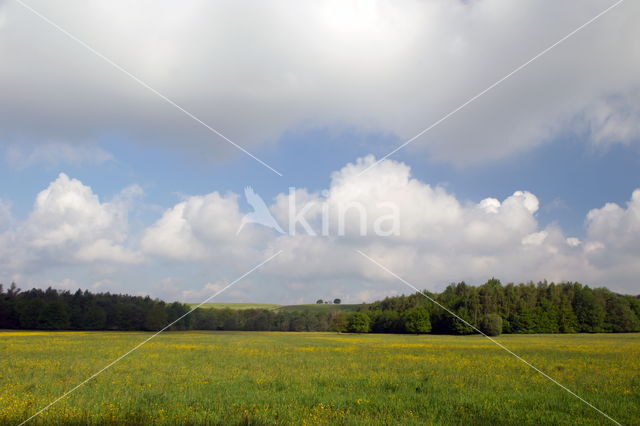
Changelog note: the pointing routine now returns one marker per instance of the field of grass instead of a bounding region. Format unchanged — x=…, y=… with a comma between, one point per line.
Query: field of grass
x=319, y=308
x=316, y=378
x=236, y=305
x=312, y=307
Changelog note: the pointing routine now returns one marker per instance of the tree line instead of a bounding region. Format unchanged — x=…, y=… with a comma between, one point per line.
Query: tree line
x=492, y=308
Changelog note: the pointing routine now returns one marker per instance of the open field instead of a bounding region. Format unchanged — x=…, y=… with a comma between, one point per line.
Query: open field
x=311, y=307
x=236, y=305
x=311, y=378
x=319, y=307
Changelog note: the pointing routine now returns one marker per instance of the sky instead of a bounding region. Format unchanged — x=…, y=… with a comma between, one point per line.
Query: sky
x=128, y=137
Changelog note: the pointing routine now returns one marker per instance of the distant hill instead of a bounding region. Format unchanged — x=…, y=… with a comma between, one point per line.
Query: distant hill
x=312, y=307
x=237, y=306
x=317, y=307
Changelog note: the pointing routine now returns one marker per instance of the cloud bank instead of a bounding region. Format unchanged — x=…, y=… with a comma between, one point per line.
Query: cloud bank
x=254, y=71
x=440, y=239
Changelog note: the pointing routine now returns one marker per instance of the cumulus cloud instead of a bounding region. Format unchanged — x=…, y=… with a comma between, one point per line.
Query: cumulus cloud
x=379, y=66
x=69, y=224
x=439, y=239
x=200, y=228
x=614, y=240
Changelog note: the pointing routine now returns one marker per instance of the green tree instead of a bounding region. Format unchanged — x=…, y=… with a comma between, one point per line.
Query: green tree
x=156, y=318
x=30, y=311
x=567, y=318
x=178, y=310
x=359, y=323
x=620, y=317
x=589, y=311
x=95, y=318
x=338, y=321
x=55, y=316
x=523, y=320
x=546, y=316
x=387, y=321
x=337, y=301
x=417, y=320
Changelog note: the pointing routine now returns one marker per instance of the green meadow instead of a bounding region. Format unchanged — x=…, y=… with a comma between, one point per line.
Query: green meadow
x=273, y=307
x=317, y=378
x=216, y=305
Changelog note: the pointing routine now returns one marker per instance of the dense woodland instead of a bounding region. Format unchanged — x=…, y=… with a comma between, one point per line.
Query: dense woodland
x=492, y=307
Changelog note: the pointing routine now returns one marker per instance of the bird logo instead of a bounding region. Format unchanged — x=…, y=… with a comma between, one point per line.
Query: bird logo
x=260, y=214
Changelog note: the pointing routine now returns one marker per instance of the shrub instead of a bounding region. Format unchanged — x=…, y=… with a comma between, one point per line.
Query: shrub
x=491, y=325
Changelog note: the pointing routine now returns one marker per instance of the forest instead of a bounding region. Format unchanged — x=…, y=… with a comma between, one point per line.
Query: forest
x=491, y=307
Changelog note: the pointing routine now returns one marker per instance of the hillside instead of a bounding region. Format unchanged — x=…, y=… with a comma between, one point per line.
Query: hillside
x=312, y=307
x=319, y=308
x=237, y=306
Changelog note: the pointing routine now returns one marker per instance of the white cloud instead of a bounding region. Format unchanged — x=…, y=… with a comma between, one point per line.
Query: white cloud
x=614, y=241
x=68, y=211
x=200, y=228
x=69, y=224
x=378, y=66
x=573, y=241
x=441, y=239
x=614, y=120
x=535, y=239
x=105, y=250
x=617, y=226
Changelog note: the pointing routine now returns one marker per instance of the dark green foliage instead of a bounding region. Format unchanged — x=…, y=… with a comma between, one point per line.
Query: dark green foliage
x=524, y=308
x=359, y=323
x=620, y=318
x=589, y=310
x=417, y=320
x=491, y=325
x=55, y=316
x=338, y=321
x=156, y=318
x=337, y=301
x=61, y=310
x=387, y=321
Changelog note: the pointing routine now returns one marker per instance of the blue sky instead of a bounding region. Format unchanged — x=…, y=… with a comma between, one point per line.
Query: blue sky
x=569, y=176
x=105, y=185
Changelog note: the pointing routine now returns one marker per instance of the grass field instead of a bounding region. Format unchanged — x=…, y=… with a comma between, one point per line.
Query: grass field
x=319, y=308
x=313, y=307
x=269, y=306
x=315, y=378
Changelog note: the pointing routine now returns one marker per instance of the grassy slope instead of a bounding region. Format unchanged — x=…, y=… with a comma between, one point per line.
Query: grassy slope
x=318, y=378
x=237, y=305
x=319, y=308
x=310, y=307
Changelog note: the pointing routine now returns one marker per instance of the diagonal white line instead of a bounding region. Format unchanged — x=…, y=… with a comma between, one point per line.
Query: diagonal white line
x=143, y=84
x=490, y=338
x=145, y=341
x=472, y=99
